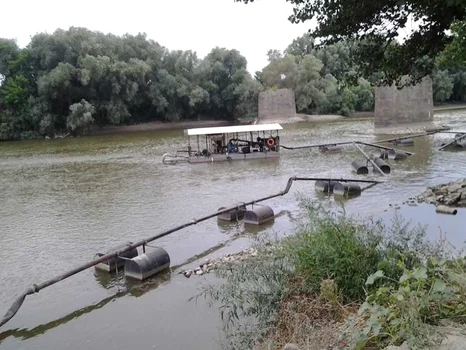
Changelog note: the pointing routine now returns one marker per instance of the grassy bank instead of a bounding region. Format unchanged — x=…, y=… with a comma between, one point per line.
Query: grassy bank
x=341, y=283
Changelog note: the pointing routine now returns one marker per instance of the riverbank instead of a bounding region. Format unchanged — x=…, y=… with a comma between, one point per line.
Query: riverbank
x=156, y=126
x=390, y=287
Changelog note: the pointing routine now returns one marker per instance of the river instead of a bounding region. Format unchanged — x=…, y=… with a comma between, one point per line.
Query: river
x=62, y=201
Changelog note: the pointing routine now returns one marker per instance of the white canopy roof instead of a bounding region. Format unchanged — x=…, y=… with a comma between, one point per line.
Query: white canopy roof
x=232, y=129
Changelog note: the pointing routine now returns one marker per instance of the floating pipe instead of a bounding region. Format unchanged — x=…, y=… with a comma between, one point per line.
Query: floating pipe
x=443, y=209
x=427, y=133
x=382, y=165
x=442, y=129
x=385, y=148
x=331, y=149
x=369, y=159
x=37, y=287
x=452, y=142
x=374, y=144
x=259, y=215
x=404, y=142
x=360, y=167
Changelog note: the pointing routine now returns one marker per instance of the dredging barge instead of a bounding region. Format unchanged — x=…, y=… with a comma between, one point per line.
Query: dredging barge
x=226, y=143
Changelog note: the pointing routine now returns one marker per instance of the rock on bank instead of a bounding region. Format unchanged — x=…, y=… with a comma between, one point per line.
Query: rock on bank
x=452, y=194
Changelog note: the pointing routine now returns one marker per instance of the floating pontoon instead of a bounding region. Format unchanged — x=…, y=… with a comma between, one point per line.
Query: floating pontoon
x=229, y=143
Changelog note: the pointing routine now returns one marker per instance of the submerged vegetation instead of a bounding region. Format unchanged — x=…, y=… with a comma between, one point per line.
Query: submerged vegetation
x=76, y=79
x=342, y=283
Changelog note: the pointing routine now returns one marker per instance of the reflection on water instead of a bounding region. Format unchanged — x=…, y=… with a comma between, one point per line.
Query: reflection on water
x=24, y=333
x=64, y=200
x=240, y=228
x=125, y=287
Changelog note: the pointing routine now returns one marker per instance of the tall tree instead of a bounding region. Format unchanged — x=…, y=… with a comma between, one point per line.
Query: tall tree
x=378, y=23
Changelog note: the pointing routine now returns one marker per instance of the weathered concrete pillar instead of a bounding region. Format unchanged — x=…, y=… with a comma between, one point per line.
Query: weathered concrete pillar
x=275, y=105
x=410, y=108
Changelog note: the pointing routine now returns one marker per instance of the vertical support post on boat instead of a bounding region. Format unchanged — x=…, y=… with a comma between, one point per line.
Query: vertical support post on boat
x=198, y=145
x=189, y=146
x=277, y=144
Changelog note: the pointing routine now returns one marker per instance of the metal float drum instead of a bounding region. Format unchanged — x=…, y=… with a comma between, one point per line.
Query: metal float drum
x=346, y=189
x=360, y=167
x=397, y=155
x=443, y=209
x=381, y=153
x=258, y=215
x=382, y=165
x=461, y=143
x=233, y=215
x=117, y=262
x=148, y=264
x=331, y=149
x=325, y=186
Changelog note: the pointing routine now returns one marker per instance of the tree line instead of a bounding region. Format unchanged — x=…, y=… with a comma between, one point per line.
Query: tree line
x=426, y=29
x=69, y=80
x=328, y=78
x=73, y=79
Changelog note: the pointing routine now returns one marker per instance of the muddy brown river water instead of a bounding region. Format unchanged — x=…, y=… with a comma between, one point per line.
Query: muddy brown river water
x=62, y=201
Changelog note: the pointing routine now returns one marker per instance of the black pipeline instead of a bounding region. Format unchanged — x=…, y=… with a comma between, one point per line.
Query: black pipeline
x=347, y=143
x=37, y=287
x=459, y=138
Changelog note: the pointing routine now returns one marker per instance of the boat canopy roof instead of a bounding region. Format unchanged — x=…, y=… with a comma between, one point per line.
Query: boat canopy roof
x=232, y=129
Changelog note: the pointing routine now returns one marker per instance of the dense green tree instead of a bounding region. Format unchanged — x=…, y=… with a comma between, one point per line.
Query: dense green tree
x=301, y=46
x=364, y=96
x=80, y=117
x=455, y=51
x=281, y=72
x=73, y=79
x=77, y=79
x=443, y=84
x=379, y=23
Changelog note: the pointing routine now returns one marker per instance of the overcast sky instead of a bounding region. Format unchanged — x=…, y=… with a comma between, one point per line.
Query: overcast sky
x=198, y=25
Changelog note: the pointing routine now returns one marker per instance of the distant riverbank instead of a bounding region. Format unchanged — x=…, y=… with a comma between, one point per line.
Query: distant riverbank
x=186, y=124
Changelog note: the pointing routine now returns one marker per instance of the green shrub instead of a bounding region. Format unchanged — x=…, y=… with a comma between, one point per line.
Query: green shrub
x=336, y=247
x=405, y=310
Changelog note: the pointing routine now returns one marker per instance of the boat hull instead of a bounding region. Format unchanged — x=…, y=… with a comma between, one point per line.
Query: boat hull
x=233, y=156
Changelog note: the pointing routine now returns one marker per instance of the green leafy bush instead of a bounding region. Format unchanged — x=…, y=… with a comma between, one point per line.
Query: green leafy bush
x=336, y=247
x=406, y=309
